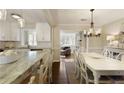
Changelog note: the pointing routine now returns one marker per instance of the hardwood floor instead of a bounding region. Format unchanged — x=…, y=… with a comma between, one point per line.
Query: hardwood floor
x=63, y=72
x=59, y=73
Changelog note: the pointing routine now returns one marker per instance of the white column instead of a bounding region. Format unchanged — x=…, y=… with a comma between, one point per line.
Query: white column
x=22, y=37
x=87, y=44
x=56, y=43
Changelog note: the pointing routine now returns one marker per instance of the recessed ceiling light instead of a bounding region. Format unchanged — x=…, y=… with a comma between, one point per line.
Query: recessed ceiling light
x=16, y=16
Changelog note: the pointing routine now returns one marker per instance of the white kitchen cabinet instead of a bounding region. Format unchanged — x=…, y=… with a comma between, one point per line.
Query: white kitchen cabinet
x=43, y=31
x=5, y=31
x=15, y=30
x=9, y=31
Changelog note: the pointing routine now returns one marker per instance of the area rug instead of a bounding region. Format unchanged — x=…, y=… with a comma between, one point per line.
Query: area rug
x=70, y=71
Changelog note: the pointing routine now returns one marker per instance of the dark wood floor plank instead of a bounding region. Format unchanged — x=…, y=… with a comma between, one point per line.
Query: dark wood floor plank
x=63, y=72
x=59, y=73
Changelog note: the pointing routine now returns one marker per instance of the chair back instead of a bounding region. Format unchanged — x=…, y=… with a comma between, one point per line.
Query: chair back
x=32, y=80
x=83, y=67
x=45, y=72
x=120, y=57
x=107, y=53
x=76, y=59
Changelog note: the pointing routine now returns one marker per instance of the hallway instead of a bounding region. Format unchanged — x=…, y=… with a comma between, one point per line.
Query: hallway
x=63, y=72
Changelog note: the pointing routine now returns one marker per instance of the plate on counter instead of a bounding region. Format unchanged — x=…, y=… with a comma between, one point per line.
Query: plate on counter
x=8, y=59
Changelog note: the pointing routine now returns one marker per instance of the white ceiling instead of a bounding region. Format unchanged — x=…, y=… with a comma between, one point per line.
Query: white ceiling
x=31, y=16
x=69, y=18
x=101, y=16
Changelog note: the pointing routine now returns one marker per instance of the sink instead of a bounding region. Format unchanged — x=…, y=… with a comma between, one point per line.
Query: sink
x=8, y=59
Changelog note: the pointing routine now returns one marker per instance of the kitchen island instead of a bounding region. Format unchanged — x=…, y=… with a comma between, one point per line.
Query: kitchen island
x=16, y=72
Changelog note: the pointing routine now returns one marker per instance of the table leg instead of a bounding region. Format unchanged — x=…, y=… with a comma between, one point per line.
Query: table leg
x=96, y=78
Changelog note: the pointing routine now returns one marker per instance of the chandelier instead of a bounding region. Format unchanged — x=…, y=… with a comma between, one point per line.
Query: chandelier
x=91, y=32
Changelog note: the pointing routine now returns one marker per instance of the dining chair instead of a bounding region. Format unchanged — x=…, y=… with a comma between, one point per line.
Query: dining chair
x=50, y=68
x=83, y=70
x=77, y=66
x=45, y=71
x=87, y=75
x=107, y=53
x=120, y=57
x=75, y=60
x=32, y=80
x=118, y=79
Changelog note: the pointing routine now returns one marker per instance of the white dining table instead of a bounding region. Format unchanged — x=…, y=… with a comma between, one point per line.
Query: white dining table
x=102, y=66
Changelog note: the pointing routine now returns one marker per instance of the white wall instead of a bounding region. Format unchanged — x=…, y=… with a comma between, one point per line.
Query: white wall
x=113, y=28
x=96, y=44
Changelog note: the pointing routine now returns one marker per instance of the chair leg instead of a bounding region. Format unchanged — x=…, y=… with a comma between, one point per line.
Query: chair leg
x=50, y=78
x=78, y=74
x=75, y=71
x=81, y=80
x=87, y=81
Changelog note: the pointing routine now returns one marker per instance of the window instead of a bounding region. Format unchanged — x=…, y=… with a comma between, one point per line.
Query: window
x=32, y=41
x=67, y=39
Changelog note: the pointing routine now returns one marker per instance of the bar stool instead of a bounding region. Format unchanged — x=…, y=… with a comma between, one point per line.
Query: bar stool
x=32, y=80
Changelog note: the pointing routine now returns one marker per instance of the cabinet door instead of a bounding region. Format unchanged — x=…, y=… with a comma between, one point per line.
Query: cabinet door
x=46, y=32
x=15, y=32
x=39, y=31
x=9, y=31
x=5, y=31
x=43, y=31
x=2, y=32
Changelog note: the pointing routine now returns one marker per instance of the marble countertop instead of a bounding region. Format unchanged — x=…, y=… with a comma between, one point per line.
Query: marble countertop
x=115, y=48
x=10, y=72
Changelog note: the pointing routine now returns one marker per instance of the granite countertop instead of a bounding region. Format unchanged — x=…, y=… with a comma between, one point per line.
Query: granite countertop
x=115, y=48
x=23, y=48
x=10, y=72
